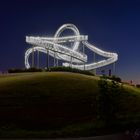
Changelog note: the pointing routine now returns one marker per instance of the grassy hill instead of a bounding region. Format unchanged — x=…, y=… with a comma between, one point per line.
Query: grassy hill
x=59, y=104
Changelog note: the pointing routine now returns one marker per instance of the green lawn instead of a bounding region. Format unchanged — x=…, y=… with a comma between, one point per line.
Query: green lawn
x=57, y=104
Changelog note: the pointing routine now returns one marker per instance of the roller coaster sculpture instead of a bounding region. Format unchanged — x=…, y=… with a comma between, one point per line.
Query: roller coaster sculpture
x=72, y=56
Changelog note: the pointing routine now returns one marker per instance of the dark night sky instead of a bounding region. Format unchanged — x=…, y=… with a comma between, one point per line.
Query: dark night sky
x=112, y=25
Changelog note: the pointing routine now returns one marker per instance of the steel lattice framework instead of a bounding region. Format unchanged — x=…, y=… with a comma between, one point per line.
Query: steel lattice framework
x=71, y=55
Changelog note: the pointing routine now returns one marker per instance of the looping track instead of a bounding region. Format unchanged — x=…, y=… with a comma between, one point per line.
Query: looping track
x=71, y=55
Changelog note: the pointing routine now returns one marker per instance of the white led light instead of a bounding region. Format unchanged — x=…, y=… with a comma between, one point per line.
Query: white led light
x=63, y=52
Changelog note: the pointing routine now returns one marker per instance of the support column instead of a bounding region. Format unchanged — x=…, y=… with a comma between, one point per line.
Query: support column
x=71, y=55
x=84, y=53
x=54, y=58
x=114, y=68
x=94, y=62
x=84, y=66
x=57, y=62
x=71, y=61
x=47, y=59
x=32, y=57
x=38, y=59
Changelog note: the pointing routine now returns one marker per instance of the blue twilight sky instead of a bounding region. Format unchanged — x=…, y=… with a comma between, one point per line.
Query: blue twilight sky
x=112, y=25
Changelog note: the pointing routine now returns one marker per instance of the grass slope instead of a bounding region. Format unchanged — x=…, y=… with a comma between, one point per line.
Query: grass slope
x=57, y=104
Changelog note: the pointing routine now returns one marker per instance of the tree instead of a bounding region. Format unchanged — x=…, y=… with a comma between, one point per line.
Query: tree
x=107, y=100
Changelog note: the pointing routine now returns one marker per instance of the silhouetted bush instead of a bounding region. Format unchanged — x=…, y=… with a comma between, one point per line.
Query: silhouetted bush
x=33, y=70
x=64, y=69
x=113, y=77
x=14, y=70
x=138, y=85
x=69, y=69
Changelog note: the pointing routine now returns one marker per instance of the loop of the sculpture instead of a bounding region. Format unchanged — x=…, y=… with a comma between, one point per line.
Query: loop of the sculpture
x=58, y=33
x=71, y=27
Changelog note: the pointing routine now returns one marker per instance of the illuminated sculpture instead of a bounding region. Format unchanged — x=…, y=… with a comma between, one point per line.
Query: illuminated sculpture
x=72, y=56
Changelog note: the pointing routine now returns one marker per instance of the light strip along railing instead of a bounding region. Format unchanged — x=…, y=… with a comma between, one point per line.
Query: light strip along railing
x=112, y=57
x=62, y=49
x=65, y=39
